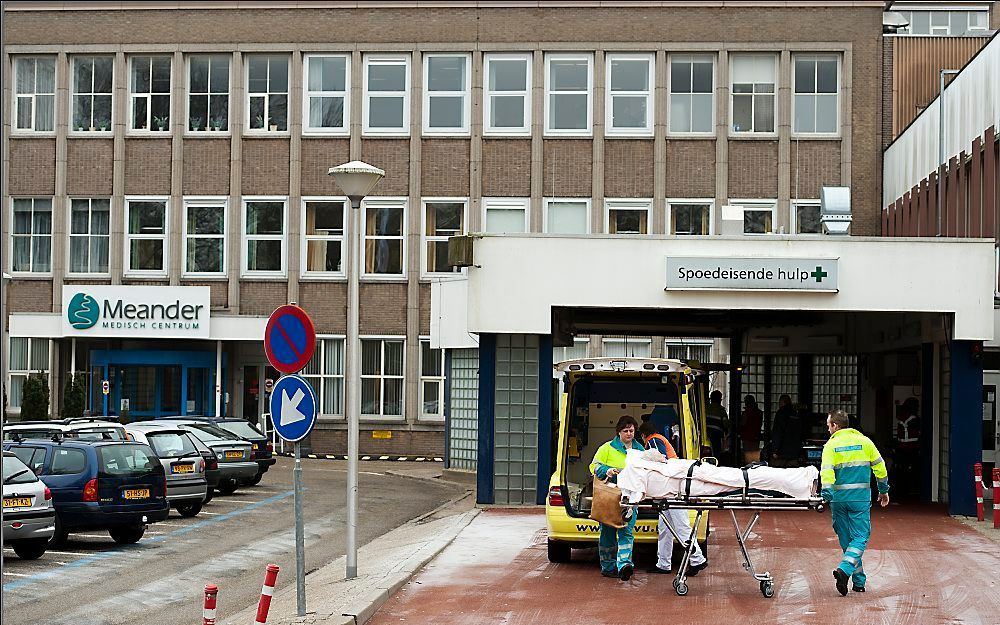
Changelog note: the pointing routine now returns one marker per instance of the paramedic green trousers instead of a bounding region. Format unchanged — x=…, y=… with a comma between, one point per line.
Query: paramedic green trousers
x=615, y=546
x=853, y=525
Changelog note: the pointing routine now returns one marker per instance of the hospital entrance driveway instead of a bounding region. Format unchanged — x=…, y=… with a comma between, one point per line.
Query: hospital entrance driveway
x=923, y=568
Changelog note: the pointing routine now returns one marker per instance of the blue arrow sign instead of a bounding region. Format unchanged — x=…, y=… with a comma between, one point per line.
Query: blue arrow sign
x=293, y=408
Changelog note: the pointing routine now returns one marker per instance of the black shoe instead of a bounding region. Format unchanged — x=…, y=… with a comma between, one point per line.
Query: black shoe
x=857, y=588
x=626, y=573
x=841, y=578
x=694, y=569
x=658, y=570
x=609, y=573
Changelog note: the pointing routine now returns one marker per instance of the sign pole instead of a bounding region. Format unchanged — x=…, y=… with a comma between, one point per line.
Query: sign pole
x=300, y=548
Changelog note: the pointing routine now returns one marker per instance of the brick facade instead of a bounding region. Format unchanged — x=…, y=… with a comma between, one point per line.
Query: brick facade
x=206, y=167
x=444, y=168
x=318, y=156
x=261, y=298
x=32, y=167
x=567, y=166
x=147, y=167
x=691, y=168
x=752, y=170
x=30, y=296
x=265, y=166
x=428, y=443
x=815, y=164
x=327, y=305
x=628, y=168
x=506, y=167
x=383, y=309
x=93, y=167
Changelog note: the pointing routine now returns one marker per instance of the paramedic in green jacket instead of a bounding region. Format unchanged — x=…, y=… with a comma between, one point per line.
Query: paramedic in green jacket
x=849, y=459
x=615, y=545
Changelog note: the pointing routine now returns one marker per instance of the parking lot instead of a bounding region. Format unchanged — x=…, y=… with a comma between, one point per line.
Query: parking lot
x=159, y=580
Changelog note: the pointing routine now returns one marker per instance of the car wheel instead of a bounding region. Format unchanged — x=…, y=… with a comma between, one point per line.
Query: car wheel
x=559, y=551
x=189, y=509
x=208, y=495
x=127, y=534
x=59, y=535
x=256, y=479
x=30, y=549
x=227, y=487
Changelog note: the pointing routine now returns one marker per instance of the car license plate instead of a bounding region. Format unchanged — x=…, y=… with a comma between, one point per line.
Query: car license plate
x=234, y=454
x=17, y=502
x=137, y=493
x=182, y=468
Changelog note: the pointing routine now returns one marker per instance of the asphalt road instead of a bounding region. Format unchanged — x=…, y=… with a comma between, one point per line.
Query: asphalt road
x=160, y=580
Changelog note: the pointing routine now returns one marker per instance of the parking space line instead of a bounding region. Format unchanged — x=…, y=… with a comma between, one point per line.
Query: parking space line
x=234, y=501
x=103, y=536
x=170, y=524
x=16, y=574
x=210, y=513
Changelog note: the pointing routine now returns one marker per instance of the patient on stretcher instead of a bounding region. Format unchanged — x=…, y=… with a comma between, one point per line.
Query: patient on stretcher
x=648, y=477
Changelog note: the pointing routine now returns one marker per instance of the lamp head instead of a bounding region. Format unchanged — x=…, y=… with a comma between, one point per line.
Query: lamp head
x=356, y=179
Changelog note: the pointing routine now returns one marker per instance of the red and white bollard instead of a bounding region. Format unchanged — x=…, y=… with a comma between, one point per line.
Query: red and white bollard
x=996, y=497
x=265, y=593
x=978, y=469
x=211, y=594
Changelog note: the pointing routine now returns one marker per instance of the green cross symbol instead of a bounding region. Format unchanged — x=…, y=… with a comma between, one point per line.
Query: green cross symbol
x=819, y=274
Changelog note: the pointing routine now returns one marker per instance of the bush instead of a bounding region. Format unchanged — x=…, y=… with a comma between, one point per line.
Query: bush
x=74, y=397
x=35, y=398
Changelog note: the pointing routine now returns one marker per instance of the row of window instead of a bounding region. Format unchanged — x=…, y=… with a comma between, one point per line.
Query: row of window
x=447, y=106
x=699, y=349
x=264, y=235
x=944, y=23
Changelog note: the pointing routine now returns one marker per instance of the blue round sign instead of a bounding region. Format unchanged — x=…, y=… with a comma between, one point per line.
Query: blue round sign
x=293, y=408
x=289, y=339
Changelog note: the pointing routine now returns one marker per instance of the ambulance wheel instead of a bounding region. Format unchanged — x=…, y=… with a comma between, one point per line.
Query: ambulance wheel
x=559, y=551
x=767, y=589
x=682, y=589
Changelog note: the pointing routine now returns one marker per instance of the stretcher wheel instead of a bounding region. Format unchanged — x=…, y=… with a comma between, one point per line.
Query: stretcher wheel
x=767, y=589
x=682, y=589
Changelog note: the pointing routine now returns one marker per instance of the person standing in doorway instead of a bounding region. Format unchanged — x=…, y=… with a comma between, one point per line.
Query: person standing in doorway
x=849, y=460
x=751, y=421
x=717, y=421
x=614, y=546
x=786, y=434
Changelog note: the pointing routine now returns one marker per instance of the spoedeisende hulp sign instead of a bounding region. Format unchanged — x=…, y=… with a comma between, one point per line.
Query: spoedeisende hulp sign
x=136, y=311
x=751, y=274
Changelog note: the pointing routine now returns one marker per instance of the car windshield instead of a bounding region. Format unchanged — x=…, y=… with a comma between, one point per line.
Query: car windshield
x=100, y=434
x=208, y=432
x=16, y=472
x=171, y=444
x=26, y=434
x=124, y=460
x=241, y=429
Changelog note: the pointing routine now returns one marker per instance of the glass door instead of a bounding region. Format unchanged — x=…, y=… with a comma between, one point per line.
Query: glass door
x=991, y=431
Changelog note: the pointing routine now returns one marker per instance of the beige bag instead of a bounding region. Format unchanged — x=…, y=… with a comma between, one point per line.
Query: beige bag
x=606, y=505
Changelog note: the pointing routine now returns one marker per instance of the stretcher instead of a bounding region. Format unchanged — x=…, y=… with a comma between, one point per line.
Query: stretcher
x=745, y=498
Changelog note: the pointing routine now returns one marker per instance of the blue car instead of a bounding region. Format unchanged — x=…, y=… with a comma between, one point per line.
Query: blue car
x=118, y=486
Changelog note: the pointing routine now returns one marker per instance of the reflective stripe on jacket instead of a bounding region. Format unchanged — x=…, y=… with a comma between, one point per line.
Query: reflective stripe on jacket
x=849, y=459
x=611, y=455
x=660, y=443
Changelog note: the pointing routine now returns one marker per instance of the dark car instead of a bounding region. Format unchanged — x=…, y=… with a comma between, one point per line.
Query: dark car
x=262, y=451
x=118, y=486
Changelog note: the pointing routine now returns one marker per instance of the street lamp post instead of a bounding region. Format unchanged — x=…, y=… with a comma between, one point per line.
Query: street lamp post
x=356, y=179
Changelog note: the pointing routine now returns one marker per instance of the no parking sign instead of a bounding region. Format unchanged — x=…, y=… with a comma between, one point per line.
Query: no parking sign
x=289, y=339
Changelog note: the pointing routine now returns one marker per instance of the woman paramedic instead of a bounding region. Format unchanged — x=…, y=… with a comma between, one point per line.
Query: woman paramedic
x=615, y=545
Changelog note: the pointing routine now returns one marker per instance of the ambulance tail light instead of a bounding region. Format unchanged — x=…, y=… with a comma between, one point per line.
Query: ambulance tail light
x=556, y=496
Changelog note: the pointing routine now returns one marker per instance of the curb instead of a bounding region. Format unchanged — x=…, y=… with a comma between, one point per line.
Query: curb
x=366, y=458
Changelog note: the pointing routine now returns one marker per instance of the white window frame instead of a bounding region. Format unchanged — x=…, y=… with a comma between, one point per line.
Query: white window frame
x=488, y=128
x=208, y=96
x=758, y=205
x=367, y=94
x=387, y=202
x=691, y=59
x=128, y=238
x=569, y=132
x=688, y=343
x=428, y=416
x=774, y=94
x=630, y=341
x=245, y=245
x=609, y=127
x=382, y=377
x=306, y=238
x=213, y=201
x=307, y=95
x=508, y=203
x=247, y=96
x=794, y=218
x=70, y=236
x=466, y=96
x=132, y=97
x=817, y=57
x=317, y=379
x=710, y=202
x=24, y=373
x=586, y=201
x=73, y=93
x=32, y=236
x=628, y=204
x=576, y=343
x=16, y=98
x=426, y=239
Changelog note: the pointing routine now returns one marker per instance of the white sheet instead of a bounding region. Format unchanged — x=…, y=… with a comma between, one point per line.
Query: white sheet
x=644, y=479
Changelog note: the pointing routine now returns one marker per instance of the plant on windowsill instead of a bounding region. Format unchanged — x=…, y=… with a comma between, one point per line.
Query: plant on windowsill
x=161, y=122
x=259, y=122
x=79, y=124
x=104, y=124
x=195, y=123
x=217, y=123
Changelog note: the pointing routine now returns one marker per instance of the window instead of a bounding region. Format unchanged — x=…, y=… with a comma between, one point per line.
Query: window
x=149, y=86
x=690, y=217
x=264, y=240
x=507, y=100
x=758, y=216
x=89, y=235
x=325, y=372
x=753, y=92
x=34, y=93
x=805, y=216
x=835, y=383
x=387, y=95
x=67, y=462
x=326, y=99
x=267, y=93
x=567, y=216
x=208, y=93
x=577, y=351
x=630, y=94
x=692, y=93
x=628, y=216
x=324, y=235
x=145, y=236
x=382, y=377
x=93, y=79
x=815, y=103
x=442, y=219
x=688, y=349
x=31, y=249
x=431, y=381
x=446, y=94
x=383, y=250
x=27, y=357
x=205, y=237
x=506, y=215
x=627, y=348
x=568, y=83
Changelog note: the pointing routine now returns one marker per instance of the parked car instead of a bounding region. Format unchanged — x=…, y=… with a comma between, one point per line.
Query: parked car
x=24, y=430
x=183, y=464
x=212, y=472
x=235, y=460
x=118, y=486
x=96, y=428
x=262, y=451
x=88, y=429
x=28, y=515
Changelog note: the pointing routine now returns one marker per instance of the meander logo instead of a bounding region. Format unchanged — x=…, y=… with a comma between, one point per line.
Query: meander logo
x=83, y=311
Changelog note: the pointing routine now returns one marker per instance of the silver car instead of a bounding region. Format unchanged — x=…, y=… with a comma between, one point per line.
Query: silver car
x=28, y=515
x=235, y=458
x=182, y=463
